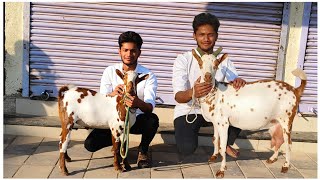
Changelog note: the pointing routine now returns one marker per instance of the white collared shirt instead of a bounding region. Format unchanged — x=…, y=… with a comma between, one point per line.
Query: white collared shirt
x=186, y=71
x=146, y=89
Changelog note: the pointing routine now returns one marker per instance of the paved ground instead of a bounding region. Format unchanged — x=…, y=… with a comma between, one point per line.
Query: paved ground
x=37, y=157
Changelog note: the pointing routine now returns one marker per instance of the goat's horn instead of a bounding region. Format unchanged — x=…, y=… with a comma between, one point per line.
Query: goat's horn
x=196, y=56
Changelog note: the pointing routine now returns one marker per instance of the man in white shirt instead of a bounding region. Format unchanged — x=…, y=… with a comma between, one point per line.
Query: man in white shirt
x=147, y=122
x=186, y=73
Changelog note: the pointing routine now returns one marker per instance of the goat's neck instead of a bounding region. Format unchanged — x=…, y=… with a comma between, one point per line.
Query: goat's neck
x=213, y=89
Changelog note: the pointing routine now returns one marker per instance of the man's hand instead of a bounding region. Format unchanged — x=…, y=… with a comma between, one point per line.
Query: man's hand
x=135, y=102
x=132, y=101
x=238, y=83
x=201, y=89
x=119, y=90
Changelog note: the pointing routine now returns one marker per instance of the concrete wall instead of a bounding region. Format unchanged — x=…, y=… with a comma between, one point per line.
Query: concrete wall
x=294, y=36
x=13, y=47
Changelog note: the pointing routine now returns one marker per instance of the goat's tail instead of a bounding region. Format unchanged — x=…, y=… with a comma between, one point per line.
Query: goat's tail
x=302, y=75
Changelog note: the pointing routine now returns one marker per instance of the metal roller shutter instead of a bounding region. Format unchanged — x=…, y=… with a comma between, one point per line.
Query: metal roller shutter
x=75, y=42
x=309, y=98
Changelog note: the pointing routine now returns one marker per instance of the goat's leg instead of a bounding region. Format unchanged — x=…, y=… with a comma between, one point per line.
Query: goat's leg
x=63, y=145
x=276, y=141
x=288, y=143
x=223, y=134
x=116, y=155
x=215, y=141
x=125, y=160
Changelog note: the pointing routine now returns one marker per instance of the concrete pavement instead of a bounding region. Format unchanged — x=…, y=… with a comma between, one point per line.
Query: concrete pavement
x=37, y=157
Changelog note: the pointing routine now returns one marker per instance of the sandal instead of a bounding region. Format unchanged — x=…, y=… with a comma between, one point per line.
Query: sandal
x=232, y=152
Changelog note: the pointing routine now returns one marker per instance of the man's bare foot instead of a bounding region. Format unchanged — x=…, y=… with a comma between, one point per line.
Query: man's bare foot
x=232, y=152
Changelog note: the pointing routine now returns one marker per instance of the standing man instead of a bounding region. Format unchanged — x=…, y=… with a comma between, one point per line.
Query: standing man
x=147, y=122
x=186, y=73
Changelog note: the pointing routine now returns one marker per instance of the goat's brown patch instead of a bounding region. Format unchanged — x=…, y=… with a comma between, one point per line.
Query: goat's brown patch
x=84, y=92
x=66, y=103
x=93, y=93
x=237, y=94
x=222, y=100
x=279, y=98
x=269, y=86
x=251, y=109
x=265, y=118
x=71, y=117
x=120, y=127
x=121, y=108
x=275, y=90
x=211, y=108
x=79, y=100
x=279, y=94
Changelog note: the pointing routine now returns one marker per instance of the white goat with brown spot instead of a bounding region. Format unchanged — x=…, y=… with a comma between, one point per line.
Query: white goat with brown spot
x=265, y=104
x=94, y=110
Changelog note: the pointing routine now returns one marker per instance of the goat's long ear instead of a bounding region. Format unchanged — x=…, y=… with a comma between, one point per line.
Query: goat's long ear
x=200, y=62
x=144, y=77
x=222, y=58
x=119, y=73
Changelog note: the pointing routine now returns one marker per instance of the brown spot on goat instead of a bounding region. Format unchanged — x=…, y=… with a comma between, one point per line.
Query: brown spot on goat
x=121, y=108
x=211, y=108
x=84, y=92
x=93, y=93
x=251, y=109
x=79, y=100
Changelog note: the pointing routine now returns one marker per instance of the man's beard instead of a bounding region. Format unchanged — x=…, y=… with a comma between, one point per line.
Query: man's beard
x=130, y=64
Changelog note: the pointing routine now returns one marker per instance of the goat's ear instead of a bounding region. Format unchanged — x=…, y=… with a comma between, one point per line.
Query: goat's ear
x=144, y=77
x=119, y=73
x=197, y=58
x=222, y=58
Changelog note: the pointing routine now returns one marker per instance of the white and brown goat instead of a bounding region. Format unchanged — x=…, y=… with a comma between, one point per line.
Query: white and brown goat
x=94, y=110
x=264, y=104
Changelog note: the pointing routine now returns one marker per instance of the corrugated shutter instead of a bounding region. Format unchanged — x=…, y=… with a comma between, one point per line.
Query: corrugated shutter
x=309, y=97
x=75, y=42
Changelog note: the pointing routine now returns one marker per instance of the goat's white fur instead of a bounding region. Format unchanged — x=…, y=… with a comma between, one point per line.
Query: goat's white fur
x=252, y=107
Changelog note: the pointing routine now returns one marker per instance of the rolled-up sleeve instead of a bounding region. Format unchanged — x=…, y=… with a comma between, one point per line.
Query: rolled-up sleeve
x=150, y=89
x=180, y=74
x=106, y=81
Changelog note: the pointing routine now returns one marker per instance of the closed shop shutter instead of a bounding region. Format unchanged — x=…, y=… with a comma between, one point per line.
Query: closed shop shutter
x=72, y=43
x=309, y=98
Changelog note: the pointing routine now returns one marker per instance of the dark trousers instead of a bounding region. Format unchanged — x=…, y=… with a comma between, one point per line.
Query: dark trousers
x=186, y=134
x=146, y=124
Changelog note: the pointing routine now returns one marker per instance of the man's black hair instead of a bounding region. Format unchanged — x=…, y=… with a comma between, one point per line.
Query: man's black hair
x=130, y=36
x=203, y=19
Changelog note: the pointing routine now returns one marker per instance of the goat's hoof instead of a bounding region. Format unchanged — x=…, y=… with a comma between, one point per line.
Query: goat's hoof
x=65, y=171
x=284, y=169
x=220, y=174
x=269, y=161
x=119, y=169
x=213, y=158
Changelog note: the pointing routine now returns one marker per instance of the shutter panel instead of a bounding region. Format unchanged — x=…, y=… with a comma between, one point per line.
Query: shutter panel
x=309, y=97
x=72, y=43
